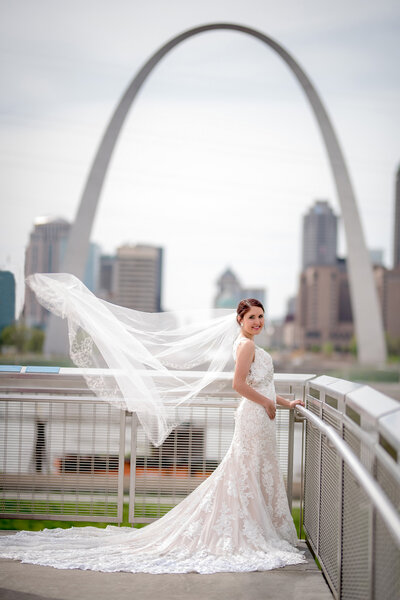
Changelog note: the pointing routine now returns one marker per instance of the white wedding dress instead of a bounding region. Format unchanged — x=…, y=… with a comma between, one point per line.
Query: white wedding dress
x=236, y=520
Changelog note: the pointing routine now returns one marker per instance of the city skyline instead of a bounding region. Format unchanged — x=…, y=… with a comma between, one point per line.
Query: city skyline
x=199, y=175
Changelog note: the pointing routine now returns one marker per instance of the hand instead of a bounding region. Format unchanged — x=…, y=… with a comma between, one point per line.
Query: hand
x=295, y=403
x=270, y=408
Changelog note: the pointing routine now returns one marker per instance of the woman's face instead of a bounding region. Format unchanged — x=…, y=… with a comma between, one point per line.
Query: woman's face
x=253, y=321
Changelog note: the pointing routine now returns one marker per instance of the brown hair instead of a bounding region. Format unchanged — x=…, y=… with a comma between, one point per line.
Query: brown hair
x=245, y=305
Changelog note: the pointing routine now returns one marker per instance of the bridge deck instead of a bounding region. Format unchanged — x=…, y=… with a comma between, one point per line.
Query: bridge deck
x=30, y=582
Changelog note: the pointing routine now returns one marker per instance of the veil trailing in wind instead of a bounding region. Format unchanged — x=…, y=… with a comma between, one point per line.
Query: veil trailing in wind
x=150, y=363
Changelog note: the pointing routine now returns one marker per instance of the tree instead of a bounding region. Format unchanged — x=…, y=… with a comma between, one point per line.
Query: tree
x=22, y=338
x=36, y=341
x=15, y=335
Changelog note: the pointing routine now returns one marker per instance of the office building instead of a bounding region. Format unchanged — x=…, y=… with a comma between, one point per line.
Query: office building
x=319, y=235
x=43, y=254
x=231, y=292
x=106, y=281
x=7, y=299
x=323, y=311
x=396, y=250
x=388, y=286
x=138, y=277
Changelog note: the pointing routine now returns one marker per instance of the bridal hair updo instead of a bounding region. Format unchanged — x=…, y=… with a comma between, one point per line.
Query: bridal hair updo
x=245, y=305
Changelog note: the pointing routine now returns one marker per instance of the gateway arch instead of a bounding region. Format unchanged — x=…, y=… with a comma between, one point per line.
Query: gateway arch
x=366, y=309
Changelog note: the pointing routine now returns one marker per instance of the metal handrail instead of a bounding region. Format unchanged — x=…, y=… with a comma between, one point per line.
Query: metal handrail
x=378, y=498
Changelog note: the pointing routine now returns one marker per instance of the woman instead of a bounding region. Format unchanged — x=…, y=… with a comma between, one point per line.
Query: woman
x=236, y=520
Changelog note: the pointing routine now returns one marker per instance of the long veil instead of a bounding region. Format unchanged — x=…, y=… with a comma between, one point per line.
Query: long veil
x=150, y=363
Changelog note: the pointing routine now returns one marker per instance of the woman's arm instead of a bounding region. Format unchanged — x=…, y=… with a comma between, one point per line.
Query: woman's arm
x=244, y=358
x=288, y=403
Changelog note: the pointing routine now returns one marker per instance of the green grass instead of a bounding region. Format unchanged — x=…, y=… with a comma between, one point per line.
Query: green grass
x=296, y=519
x=149, y=510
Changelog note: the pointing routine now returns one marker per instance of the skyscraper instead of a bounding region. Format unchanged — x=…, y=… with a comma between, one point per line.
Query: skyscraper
x=396, y=252
x=7, y=299
x=229, y=290
x=43, y=255
x=138, y=277
x=323, y=311
x=106, y=287
x=319, y=235
x=323, y=308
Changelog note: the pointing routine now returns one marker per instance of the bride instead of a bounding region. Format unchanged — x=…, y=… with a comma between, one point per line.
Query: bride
x=238, y=519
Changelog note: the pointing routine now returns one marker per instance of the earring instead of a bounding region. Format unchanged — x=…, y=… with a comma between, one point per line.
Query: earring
x=241, y=324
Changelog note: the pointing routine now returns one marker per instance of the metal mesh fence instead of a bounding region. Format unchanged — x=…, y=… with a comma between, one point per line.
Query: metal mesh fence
x=66, y=458
x=356, y=540
x=60, y=459
x=358, y=552
x=329, y=522
x=386, y=563
x=388, y=477
x=311, y=484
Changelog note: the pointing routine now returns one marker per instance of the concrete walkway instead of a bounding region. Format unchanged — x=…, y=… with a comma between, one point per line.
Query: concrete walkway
x=30, y=582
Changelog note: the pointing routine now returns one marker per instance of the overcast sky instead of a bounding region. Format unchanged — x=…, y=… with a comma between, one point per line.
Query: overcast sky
x=220, y=156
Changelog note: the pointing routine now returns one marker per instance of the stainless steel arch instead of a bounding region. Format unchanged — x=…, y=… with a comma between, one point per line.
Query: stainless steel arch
x=366, y=310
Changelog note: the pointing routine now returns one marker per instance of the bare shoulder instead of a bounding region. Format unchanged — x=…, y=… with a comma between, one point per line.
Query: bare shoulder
x=245, y=347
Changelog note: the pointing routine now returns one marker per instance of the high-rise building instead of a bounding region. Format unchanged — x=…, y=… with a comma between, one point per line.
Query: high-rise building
x=230, y=291
x=106, y=285
x=91, y=278
x=396, y=253
x=388, y=286
x=323, y=310
x=319, y=235
x=138, y=277
x=289, y=329
x=43, y=255
x=7, y=299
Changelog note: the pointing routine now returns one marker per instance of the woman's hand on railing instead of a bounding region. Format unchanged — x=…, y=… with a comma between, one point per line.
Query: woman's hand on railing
x=295, y=403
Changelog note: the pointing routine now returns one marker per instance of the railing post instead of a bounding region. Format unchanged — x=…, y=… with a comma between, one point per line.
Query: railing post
x=121, y=465
x=371, y=541
x=132, y=474
x=302, y=467
x=290, y=460
x=340, y=517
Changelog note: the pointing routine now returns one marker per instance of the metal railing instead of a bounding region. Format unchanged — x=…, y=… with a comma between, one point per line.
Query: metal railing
x=351, y=492
x=61, y=459
x=65, y=454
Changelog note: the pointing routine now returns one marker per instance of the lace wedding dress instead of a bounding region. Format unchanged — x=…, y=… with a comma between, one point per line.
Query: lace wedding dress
x=236, y=520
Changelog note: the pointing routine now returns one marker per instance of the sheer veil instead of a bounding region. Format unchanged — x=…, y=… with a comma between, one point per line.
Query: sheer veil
x=151, y=363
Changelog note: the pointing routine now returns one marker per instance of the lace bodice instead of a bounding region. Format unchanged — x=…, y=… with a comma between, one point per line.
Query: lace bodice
x=238, y=519
x=261, y=372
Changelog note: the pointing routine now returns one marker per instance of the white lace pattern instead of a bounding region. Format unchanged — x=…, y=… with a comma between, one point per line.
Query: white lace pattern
x=236, y=520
